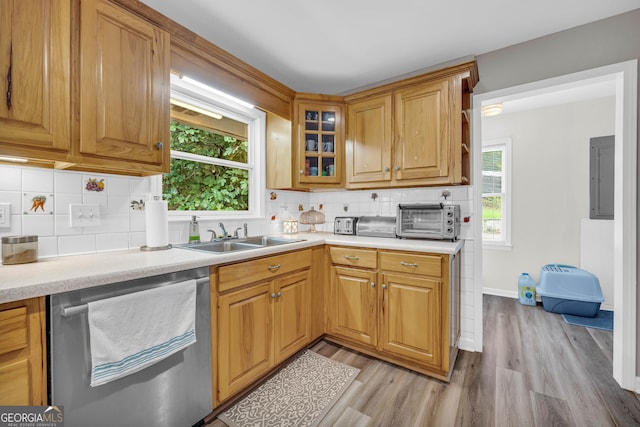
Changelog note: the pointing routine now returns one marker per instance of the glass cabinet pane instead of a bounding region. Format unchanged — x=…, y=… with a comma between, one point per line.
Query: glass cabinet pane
x=328, y=121
x=328, y=144
x=311, y=120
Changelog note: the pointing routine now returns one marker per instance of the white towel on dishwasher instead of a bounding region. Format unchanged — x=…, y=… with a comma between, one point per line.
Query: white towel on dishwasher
x=131, y=332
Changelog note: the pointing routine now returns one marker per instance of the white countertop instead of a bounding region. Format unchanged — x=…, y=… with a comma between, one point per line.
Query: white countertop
x=61, y=274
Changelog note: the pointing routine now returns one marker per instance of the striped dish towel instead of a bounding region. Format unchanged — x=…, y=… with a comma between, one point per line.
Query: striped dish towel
x=131, y=332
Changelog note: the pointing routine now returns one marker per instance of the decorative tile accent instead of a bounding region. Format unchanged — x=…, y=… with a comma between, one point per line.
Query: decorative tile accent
x=95, y=184
x=37, y=204
x=137, y=205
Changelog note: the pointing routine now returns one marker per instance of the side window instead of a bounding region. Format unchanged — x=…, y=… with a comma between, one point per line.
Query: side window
x=496, y=193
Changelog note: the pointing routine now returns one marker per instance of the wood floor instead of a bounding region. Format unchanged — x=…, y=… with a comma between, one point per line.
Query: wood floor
x=535, y=370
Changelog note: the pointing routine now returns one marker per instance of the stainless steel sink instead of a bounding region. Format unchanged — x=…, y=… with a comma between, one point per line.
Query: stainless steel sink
x=224, y=246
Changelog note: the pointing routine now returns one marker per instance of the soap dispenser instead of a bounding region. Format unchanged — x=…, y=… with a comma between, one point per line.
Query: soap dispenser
x=194, y=230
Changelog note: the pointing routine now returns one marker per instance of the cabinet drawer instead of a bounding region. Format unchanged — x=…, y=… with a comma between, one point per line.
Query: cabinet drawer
x=365, y=258
x=13, y=329
x=231, y=276
x=428, y=265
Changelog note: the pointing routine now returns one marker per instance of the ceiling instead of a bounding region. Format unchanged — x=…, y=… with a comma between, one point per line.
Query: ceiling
x=334, y=46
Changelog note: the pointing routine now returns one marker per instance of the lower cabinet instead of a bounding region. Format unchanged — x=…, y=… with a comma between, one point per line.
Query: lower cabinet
x=262, y=323
x=399, y=306
x=22, y=353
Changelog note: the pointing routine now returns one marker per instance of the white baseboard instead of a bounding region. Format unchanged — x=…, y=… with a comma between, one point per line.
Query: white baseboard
x=500, y=292
x=466, y=344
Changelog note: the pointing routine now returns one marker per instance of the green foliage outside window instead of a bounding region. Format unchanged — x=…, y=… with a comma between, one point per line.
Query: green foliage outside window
x=197, y=186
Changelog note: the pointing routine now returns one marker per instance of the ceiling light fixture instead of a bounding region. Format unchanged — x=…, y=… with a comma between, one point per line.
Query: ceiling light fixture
x=12, y=159
x=196, y=109
x=492, y=109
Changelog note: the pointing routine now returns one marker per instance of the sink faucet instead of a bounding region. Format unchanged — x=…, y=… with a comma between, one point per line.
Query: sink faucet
x=224, y=231
x=235, y=232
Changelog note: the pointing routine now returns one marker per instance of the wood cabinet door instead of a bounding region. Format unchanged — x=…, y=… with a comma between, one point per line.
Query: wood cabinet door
x=368, y=145
x=23, y=353
x=319, y=143
x=34, y=76
x=411, y=317
x=245, y=349
x=124, y=87
x=353, y=305
x=292, y=314
x=422, y=131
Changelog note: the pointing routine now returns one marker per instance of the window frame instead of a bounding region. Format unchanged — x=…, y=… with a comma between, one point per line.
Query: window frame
x=503, y=144
x=200, y=95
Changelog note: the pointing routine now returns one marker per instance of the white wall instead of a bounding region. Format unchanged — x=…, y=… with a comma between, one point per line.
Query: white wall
x=550, y=191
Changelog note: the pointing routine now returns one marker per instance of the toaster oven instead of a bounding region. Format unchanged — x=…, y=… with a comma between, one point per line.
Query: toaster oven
x=428, y=221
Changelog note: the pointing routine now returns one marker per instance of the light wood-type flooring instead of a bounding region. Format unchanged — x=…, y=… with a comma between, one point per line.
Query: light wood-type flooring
x=535, y=370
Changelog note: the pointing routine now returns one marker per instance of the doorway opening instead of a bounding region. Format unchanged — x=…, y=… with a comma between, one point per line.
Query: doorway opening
x=624, y=76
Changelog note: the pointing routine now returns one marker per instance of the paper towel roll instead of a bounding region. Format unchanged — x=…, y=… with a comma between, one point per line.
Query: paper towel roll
x=157, y=223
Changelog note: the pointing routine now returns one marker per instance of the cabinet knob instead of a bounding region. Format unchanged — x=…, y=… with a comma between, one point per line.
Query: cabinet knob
x=301, y=172
x=373, y=285
x=396, y=168
x=384, y=286
x=159, y=145
x=279, y=294
x=273, y=295
x=386, y=169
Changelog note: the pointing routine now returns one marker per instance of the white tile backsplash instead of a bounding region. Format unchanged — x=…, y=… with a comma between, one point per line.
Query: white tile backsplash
x=37, y=180
x=74, y=245
x=41, y=225
x=18, y=186
x=10, y=178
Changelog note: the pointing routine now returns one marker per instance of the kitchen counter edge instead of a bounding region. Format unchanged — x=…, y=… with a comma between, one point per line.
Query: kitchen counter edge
x=69, y=273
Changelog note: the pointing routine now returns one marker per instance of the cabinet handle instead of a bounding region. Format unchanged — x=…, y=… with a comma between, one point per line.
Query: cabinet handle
x=384, y=286
x=273, y=267
x=273, y=296
x=279, y=294
x=396, y=168
x=386, y=169
x=9, y=76
x=159, y=145
x=301, y=172
x=352, y=258
x=373, y=285
x=406, y=264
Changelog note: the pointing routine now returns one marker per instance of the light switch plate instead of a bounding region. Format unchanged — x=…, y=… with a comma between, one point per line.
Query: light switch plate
x=5, y=215
x=84, y=215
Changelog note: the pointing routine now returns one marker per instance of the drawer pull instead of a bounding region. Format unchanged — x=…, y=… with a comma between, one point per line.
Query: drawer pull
x=273, y=267
x=406, y=264
x=352, y=257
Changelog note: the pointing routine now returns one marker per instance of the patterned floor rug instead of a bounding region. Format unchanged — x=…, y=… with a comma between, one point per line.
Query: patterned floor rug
x=299, y=395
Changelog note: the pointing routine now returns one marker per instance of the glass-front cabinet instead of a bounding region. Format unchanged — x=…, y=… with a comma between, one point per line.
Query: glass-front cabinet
x=320, y=143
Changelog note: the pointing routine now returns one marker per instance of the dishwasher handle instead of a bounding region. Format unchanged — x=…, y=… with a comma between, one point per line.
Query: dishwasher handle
x=84, y=308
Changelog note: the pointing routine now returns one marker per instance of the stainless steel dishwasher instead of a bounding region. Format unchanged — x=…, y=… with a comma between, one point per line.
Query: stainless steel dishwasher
x=174, y=392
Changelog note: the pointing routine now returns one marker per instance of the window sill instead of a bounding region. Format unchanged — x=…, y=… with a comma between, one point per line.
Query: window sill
x=495, y=246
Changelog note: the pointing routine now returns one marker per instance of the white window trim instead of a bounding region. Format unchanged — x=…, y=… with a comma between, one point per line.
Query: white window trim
x=503, y=245
x=199, y=95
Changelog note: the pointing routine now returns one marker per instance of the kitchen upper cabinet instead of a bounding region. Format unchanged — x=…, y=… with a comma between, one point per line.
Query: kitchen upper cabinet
x=411, y=133
x=318, y=142
x=124, y=90
x=422, y=132
x=368, y=146
x=23, y=353
x=34, y=75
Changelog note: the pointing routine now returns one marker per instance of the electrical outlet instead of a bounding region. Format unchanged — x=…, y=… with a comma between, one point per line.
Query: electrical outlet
x=84, y=215
x=5, y=215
